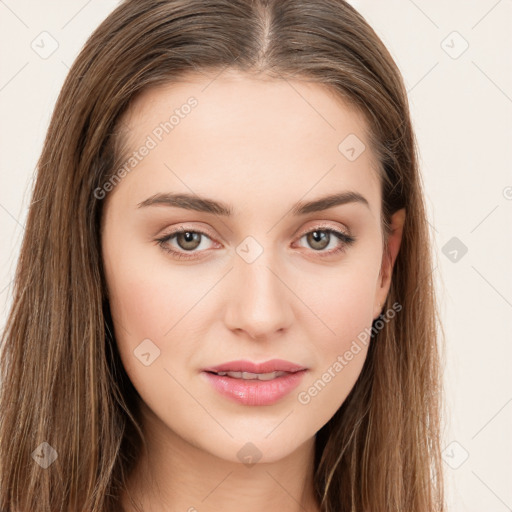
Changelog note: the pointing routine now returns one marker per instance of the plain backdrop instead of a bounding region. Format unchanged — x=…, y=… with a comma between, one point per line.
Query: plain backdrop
x=455, y=59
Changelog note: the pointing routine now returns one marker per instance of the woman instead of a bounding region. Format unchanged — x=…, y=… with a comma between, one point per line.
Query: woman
x=224, y=294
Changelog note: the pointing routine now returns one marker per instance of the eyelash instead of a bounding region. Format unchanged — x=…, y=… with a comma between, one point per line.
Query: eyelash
x=346, y=241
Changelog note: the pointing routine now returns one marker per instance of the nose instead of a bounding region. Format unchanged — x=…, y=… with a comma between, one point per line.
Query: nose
x=259, y=299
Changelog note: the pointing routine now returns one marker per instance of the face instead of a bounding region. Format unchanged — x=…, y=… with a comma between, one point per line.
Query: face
x=240, y=267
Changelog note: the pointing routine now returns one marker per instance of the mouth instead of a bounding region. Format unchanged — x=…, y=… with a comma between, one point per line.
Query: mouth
x=250, y=383
x=252, y=376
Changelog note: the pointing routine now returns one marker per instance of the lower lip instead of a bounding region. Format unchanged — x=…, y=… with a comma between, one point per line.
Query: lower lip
x=255, y=392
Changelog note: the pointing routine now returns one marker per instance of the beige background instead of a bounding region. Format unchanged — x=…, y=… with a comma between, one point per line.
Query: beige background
x=460, y=90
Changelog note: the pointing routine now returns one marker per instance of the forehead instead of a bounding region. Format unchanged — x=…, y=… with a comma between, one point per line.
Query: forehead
x=247, y=136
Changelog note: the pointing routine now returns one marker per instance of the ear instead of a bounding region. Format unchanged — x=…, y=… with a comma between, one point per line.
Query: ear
x=388, y=261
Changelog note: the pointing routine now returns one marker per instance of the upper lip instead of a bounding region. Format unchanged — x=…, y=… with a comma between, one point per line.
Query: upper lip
x=274, y=365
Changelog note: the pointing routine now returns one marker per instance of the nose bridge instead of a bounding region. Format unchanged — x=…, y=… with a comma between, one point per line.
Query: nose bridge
x=259, y=303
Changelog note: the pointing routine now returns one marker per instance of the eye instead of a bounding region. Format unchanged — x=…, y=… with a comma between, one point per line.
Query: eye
x=188, y=240
x=322, y=237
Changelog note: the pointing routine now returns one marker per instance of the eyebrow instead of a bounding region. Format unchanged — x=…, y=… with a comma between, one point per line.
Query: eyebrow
x=206, y=205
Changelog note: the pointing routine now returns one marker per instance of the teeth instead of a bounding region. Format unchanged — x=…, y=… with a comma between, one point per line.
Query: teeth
x=252, y=376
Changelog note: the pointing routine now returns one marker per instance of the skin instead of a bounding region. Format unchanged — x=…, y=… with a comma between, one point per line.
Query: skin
x=259, y=145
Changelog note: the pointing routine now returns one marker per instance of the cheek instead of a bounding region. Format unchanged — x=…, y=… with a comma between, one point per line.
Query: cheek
x=340, y=301
x=150, y=301
x=346, y=307
x=139, y=303
x=155, y=342
x=340, y=333
x=148, y=295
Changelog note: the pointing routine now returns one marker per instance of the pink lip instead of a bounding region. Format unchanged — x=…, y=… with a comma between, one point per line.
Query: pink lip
x=274, y=365
x=255, y=392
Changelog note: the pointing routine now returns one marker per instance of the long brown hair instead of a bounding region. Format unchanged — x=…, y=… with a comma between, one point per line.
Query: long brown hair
x=62, y=379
